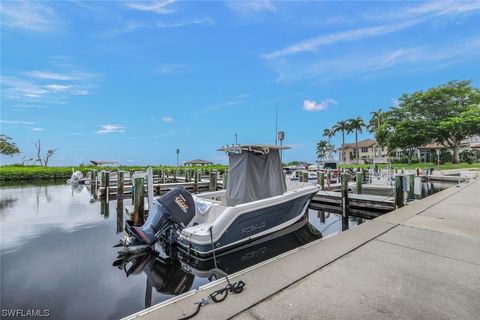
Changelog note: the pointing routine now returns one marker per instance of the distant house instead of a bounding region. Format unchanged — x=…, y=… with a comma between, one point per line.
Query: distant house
x=198, y=162
x=368, y=149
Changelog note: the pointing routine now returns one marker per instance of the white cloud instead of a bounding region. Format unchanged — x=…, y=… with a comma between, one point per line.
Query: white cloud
x=251, y=6
x=399, y=19
x=37, y=129
x=165, y=70
x=48, y=75
x=17, y=122
x=369, y=63
x=234, y=101
x=130, y=26
x=161, y=6
x=183, y=23
x=311, y=105
x=167, y=119
x=47, y=86
x=32, y=16
x=110, y=128
x=312, y=45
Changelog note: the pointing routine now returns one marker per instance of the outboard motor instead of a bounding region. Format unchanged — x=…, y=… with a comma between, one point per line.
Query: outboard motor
x=173, y=210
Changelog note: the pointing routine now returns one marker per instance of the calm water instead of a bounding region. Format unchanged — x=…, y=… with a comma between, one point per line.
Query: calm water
x=57, y=254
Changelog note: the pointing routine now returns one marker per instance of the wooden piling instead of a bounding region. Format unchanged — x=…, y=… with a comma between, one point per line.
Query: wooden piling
x=213, y=181
x=225, y=180
x=411, y=185
x=195, y=181
x=399, y=198
x=103, y=181
x=305, y=176
x=93, y=184
x=344, y=191
x=164, y=178
x=107, y=186
x=120, y=185
x=321, y=179
x=139, y=201
x=104, y=208
x=358, y=181
x=187, y=175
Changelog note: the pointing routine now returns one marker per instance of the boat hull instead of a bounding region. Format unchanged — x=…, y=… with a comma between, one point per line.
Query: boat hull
x=253, y=224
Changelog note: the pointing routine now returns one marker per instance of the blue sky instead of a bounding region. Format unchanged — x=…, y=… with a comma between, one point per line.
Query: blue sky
x=133, y=81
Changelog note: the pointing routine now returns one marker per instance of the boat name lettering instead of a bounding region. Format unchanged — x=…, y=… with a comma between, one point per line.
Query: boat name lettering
x=253, y=254
x=254, y=227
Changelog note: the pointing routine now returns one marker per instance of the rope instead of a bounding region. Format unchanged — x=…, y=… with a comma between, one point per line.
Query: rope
x=221, y=294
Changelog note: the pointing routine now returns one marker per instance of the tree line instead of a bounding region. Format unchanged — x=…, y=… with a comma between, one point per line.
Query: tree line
x=448, y=115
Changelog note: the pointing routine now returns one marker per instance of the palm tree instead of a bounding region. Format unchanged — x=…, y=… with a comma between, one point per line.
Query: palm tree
x=376, y=120
x=341, y=126
x=329, y=134
x=356, y=125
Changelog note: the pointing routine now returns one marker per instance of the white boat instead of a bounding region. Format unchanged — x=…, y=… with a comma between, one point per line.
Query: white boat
x=312, y=175
x=256, y=203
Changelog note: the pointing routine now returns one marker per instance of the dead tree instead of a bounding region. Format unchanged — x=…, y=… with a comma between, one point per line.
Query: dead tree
x=38, y=147
x=50, y=152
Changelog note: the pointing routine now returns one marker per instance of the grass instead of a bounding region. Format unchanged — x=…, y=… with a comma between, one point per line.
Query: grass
x=411, y=166
x=23, y=173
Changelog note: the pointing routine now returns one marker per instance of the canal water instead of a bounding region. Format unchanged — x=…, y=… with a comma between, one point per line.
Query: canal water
x=57, y=254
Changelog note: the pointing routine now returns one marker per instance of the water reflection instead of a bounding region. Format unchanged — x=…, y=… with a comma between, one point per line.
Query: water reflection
x=176, y=276
x=165, y=275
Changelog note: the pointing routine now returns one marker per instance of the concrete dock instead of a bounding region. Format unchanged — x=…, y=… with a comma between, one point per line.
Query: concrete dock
x=419, y=262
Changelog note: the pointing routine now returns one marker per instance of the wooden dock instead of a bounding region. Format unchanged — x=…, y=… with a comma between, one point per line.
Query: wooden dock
x=361, y=205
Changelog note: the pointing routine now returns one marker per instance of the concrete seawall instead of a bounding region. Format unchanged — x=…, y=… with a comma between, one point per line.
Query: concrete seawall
x=422, y=261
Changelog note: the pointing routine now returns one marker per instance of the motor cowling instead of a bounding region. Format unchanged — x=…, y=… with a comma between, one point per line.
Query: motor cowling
x=176, y=208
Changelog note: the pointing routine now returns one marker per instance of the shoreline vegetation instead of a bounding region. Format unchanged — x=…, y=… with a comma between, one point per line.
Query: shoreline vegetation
x=23, y=173
x=11, y=173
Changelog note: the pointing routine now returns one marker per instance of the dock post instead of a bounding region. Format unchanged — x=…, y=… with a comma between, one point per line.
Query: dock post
x=364, y=175
x=344, y=186
x=138, y=201
x=321, y=215
x=150, y=192
x=120, y=185
x=344, y=190
x=417, y=187
x=399, y=202
x=107, y=186
x=321, y=179
x=103, y=182
x=163, y=176
x=213, y=181
x=358, y=181
x=195, y=181
x=104, y=208
x=225, y=180
x=93, y=184
x=411, y=185
x=187, y=175
x=305, y=176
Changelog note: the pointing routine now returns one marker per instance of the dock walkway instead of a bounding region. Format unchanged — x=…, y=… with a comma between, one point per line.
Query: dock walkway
x=419, y=262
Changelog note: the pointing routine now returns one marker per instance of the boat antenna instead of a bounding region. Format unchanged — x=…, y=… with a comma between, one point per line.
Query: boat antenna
x=276, y=124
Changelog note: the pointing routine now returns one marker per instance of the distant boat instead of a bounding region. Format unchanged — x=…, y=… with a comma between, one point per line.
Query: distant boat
x=256, y=203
